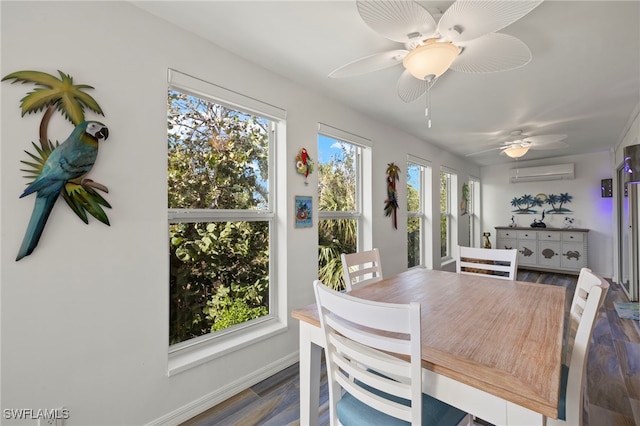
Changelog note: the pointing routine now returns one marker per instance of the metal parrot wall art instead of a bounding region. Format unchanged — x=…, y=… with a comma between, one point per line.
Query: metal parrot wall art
x=391, y=203
x=71, y=160
x=61, y=169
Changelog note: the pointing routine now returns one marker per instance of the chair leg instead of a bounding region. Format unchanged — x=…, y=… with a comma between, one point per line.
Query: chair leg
x=466, y=421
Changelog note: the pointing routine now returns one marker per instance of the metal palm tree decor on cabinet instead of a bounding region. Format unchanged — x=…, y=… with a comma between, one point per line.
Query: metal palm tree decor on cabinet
x=60, y=169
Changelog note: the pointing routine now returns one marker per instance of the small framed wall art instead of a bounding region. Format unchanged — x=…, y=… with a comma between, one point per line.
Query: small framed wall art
x=303, y=209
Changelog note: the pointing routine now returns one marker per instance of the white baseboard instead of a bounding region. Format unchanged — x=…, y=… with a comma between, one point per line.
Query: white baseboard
x=214, y=398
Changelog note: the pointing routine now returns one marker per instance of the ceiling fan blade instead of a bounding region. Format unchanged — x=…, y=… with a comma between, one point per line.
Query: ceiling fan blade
x=411, y=88
x=486, y=150
x=545, y=139
x=492, y=53
x=465, y=20
x=546, y=146
x=370, y=63
x=397, y=20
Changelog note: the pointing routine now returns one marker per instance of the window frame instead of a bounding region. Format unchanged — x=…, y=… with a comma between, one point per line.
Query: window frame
x=198, y=350
x=424, y=212
x=474, y=212
x=450, y=214
x=362, y=214
x=362, y=155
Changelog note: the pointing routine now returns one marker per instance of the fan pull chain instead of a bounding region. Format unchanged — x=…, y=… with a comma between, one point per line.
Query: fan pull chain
x=427, y=110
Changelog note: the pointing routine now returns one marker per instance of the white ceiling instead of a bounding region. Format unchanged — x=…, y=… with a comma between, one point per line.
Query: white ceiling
x=583, y=80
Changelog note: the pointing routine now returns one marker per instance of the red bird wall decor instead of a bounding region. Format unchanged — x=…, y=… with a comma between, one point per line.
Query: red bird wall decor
x=304, y=164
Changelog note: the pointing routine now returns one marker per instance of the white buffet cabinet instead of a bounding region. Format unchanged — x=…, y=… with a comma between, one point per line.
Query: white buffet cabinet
x=548, y=249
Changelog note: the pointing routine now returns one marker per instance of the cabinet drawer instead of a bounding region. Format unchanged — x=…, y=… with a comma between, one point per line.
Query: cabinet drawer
x=526, y=235
x=548, y=236
x=577, y=237
x=504, y=234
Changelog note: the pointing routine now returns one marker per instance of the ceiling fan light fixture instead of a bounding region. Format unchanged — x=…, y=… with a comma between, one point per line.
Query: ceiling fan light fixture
x=433, y=58
x=516, y=151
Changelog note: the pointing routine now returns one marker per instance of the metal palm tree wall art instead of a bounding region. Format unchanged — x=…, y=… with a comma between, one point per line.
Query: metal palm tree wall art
x=526, y=203
x=61, y=169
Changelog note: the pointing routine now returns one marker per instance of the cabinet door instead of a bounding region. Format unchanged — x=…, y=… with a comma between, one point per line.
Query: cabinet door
x=549, y=253
x=527, y=252
x=573, y=256
x=507, y=243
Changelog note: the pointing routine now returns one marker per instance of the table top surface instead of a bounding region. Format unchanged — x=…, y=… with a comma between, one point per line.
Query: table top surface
x=503, y=337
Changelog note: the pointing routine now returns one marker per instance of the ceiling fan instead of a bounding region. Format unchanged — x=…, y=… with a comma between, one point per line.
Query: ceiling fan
x=520, y=143
x=464, y=39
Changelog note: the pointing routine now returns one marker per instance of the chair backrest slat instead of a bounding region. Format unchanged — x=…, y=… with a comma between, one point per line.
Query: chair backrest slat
x=361, y=268
x=499, y=263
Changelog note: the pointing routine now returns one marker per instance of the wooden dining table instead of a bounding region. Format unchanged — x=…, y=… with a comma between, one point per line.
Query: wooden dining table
x=490, y=347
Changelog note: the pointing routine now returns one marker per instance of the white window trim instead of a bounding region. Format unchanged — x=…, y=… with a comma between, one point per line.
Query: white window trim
x=194, y=352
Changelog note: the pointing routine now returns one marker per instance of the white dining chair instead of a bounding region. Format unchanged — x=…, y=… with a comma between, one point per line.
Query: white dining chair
x=591, y=290
x=361, y=268
x=499, y=263
x=379, y=388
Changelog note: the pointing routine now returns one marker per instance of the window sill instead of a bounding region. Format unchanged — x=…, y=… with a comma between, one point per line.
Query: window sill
x=208, y=350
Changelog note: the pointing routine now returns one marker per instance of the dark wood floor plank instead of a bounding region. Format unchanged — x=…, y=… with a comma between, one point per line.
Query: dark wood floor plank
x=629, y=357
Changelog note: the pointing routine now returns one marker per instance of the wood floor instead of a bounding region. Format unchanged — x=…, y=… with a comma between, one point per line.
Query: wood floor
x=613, y=376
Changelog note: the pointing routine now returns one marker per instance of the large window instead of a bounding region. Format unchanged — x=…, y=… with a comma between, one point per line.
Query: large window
x=221, y=212
x=340, y=210
x=447, y=213
x=418, y=207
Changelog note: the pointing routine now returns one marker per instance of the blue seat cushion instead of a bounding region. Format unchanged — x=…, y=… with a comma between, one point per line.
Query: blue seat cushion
x=562, y=401
x=352, y=412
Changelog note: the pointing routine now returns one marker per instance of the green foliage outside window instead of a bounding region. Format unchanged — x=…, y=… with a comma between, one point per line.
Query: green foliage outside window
x=413, y=206
x=219, y=268
x=337, y=193
x=413, y=227
x=444, y=213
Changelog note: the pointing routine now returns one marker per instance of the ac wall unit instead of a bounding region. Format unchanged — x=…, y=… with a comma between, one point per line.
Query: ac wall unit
x=541, y=173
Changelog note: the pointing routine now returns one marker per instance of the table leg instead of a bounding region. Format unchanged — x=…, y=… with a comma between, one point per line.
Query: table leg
x=517, y=415
x=310, y=357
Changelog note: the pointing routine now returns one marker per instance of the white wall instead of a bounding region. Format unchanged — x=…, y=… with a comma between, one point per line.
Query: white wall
x=590, y=210
x=84, y=318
